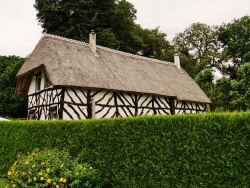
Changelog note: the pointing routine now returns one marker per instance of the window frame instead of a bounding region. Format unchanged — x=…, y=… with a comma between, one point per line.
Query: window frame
x=46, y=81
x=53, y=113
x=32, y=114
x=38, y=81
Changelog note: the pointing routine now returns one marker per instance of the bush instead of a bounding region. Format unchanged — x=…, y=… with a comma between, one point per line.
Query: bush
x=208, y=150
x=52, y=168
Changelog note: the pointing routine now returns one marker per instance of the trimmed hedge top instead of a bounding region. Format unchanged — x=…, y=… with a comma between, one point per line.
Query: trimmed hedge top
x=208, y=150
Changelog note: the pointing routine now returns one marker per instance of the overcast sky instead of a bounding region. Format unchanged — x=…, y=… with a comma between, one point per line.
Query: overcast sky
x=20, y=32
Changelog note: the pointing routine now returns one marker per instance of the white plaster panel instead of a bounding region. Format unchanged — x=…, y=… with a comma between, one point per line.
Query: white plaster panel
x=105, y=100
x=178, y=104
x=201, y=107
x=143, y=102
x=80, y=96
x=32, y=88
x=122, y=101
x=72, y=112
x=104, y=111
x=123, y=111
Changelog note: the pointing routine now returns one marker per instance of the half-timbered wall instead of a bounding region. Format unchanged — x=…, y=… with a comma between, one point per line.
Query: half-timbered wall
x=44, y=103
x=71, y=103
x=82, y=104
x=189, y=107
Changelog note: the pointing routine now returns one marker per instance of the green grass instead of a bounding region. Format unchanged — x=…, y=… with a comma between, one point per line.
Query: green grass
x=3, y=182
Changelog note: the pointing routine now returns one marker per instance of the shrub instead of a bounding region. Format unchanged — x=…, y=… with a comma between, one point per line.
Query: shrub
x=208, y=150
x=52, y=168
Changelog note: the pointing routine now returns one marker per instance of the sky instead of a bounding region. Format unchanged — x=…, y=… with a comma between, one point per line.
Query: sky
x=20, y=31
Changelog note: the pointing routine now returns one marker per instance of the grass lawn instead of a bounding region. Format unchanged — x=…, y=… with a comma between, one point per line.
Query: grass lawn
x=3, y=182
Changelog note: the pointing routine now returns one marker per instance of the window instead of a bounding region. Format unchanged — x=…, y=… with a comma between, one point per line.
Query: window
x=46, y=82
x=32, y=114
x=38, y=81
x=53, y=113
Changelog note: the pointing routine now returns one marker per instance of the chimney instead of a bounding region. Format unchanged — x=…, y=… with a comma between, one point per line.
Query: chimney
x=177, y=60
x=92, y=41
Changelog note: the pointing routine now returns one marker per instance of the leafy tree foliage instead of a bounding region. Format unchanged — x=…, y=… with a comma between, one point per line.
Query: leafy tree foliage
x=73, y=19
x=226, y=48
x=198, y=46
x=218, y=91
x=114, y=24
x=221, y=98
x=154, y=43
x=205, y=80
x=10, y=105
x=235, y=41
x=241, y=88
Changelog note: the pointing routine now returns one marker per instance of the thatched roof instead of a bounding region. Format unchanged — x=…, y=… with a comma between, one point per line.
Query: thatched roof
x=73, y=64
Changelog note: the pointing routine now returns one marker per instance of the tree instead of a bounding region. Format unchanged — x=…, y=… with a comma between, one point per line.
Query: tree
x=115, y=25
x=241, y=88
x=10, y=105
x=235, y=41
x=72, y=19
x=153, y=43
x=205, y=80
x=221, y=99
x=198, y=46
x=217, y=90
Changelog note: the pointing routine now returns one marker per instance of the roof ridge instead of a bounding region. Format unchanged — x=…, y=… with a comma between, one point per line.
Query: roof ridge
x=134, y=55
x=66, y=39
x=108, y=49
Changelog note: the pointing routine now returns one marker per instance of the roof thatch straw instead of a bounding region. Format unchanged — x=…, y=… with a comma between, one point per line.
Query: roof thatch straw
x=72, y=63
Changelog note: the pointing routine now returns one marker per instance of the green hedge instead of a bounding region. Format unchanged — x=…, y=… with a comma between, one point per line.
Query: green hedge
x=209, y=150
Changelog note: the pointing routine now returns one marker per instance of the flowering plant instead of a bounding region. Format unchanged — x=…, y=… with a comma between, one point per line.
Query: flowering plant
x=52, y=168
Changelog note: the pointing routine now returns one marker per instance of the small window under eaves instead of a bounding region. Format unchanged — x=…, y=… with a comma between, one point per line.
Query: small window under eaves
x=38, y=81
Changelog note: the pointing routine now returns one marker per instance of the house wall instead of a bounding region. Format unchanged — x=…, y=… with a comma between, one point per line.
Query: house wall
x=189, y=107
x=71, y=103
x=82, y=104
x=41, y=104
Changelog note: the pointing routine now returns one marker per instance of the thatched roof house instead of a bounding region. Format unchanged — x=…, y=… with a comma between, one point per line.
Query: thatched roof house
x=75, y=64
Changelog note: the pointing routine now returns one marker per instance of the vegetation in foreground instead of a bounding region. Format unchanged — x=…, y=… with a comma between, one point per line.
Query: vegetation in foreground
x=52, y=168
x=208, y=150
x=4, y=182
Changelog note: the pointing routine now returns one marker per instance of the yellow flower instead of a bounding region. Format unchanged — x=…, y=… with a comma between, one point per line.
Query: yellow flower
x=90, y=168
x=79, y=166
x=43, y=163
x=26, y=162
x=13, y=185
x=54, y=183
x=29, y=180
x=63, y=180
x=48, y=170
x=40, y=173
x=33, y=166
x=34, y=178
x=24, y=173
x=9, y=173
x=48, y=181
x=57, y=186
x=41, y=178
x=62, y=165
